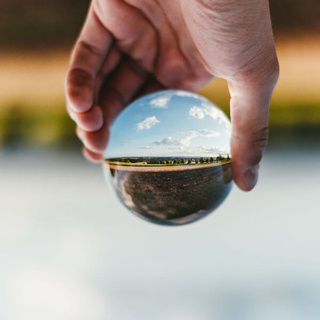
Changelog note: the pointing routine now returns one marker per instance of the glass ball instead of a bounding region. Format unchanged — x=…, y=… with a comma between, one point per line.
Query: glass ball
x=169, y=158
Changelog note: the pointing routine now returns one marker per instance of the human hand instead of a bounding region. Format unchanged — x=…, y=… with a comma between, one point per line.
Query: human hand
x=131, y=47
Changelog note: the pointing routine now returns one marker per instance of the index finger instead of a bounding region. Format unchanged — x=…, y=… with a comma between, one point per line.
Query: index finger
x=87, y=57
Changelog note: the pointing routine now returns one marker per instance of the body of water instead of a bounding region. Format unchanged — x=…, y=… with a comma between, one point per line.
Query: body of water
x=70, y=250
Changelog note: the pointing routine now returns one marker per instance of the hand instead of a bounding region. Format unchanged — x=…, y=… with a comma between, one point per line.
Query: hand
x=131, y=47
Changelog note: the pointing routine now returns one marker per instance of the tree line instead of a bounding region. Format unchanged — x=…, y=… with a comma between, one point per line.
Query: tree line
x=172, y=161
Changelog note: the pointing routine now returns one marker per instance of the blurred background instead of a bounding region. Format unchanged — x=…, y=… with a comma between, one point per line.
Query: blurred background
x=68, y=250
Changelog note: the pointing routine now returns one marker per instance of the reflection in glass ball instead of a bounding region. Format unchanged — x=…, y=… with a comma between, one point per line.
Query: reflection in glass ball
x=169, y=157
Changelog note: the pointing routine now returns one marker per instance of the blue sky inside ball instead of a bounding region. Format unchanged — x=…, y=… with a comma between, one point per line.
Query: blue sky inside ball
x=170, y=123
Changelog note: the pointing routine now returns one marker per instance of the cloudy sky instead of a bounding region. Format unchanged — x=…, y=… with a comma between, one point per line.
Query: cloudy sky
x=170, y=123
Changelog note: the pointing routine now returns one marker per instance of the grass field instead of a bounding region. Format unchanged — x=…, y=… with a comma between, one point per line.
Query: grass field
x=32, y=99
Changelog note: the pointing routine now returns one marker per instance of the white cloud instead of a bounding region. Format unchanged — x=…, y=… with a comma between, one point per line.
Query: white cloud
x=147, y=123
x=160, y=102
x=146, y=147
x=214, y=113
x=209, y=133
x=206, y=109
x=176, y=142
x=205, y=151
x=215, y=150
x=185, y=142
x=202, y=133
x=196, y=112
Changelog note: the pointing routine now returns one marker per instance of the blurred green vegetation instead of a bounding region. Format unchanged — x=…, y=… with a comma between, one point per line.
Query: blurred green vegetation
x=52, y=127
x=48, y=127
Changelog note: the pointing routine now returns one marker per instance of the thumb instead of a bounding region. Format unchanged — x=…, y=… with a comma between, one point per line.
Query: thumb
x=250, y=100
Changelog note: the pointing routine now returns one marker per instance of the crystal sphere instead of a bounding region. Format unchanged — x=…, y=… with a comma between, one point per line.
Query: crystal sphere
x=168, y=157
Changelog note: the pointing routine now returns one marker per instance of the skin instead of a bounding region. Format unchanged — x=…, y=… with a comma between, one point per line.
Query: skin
x=128, y=48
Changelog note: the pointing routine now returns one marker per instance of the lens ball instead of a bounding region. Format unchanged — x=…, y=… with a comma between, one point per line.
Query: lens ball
x=169, y=158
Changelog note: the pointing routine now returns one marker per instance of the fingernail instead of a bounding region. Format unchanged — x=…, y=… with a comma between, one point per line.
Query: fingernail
x=251, y=177
x=99, y=115
x=86, y=155
x=79, y=132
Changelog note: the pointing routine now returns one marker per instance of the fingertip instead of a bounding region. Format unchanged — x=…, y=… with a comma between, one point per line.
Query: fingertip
x=94, y=141
x=70, y=111
x=79, y=100
x=79, y=133
x=91, y=120
x=250, y=177
x=92, y=157
x=246, y=178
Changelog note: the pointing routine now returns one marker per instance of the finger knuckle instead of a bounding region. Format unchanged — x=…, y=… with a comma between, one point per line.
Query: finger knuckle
x=271, y=71
x=254, y=144
x=258, y=144
x=145, y=40
x=79, y=83
x=264, y=73
x=173, y=71
x=260, y=140
x=87, y=49
x=79, y=78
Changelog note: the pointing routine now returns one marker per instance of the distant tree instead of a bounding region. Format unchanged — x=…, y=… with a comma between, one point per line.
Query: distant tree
x=211, y=160
x=196, y=161
x=201, y=160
